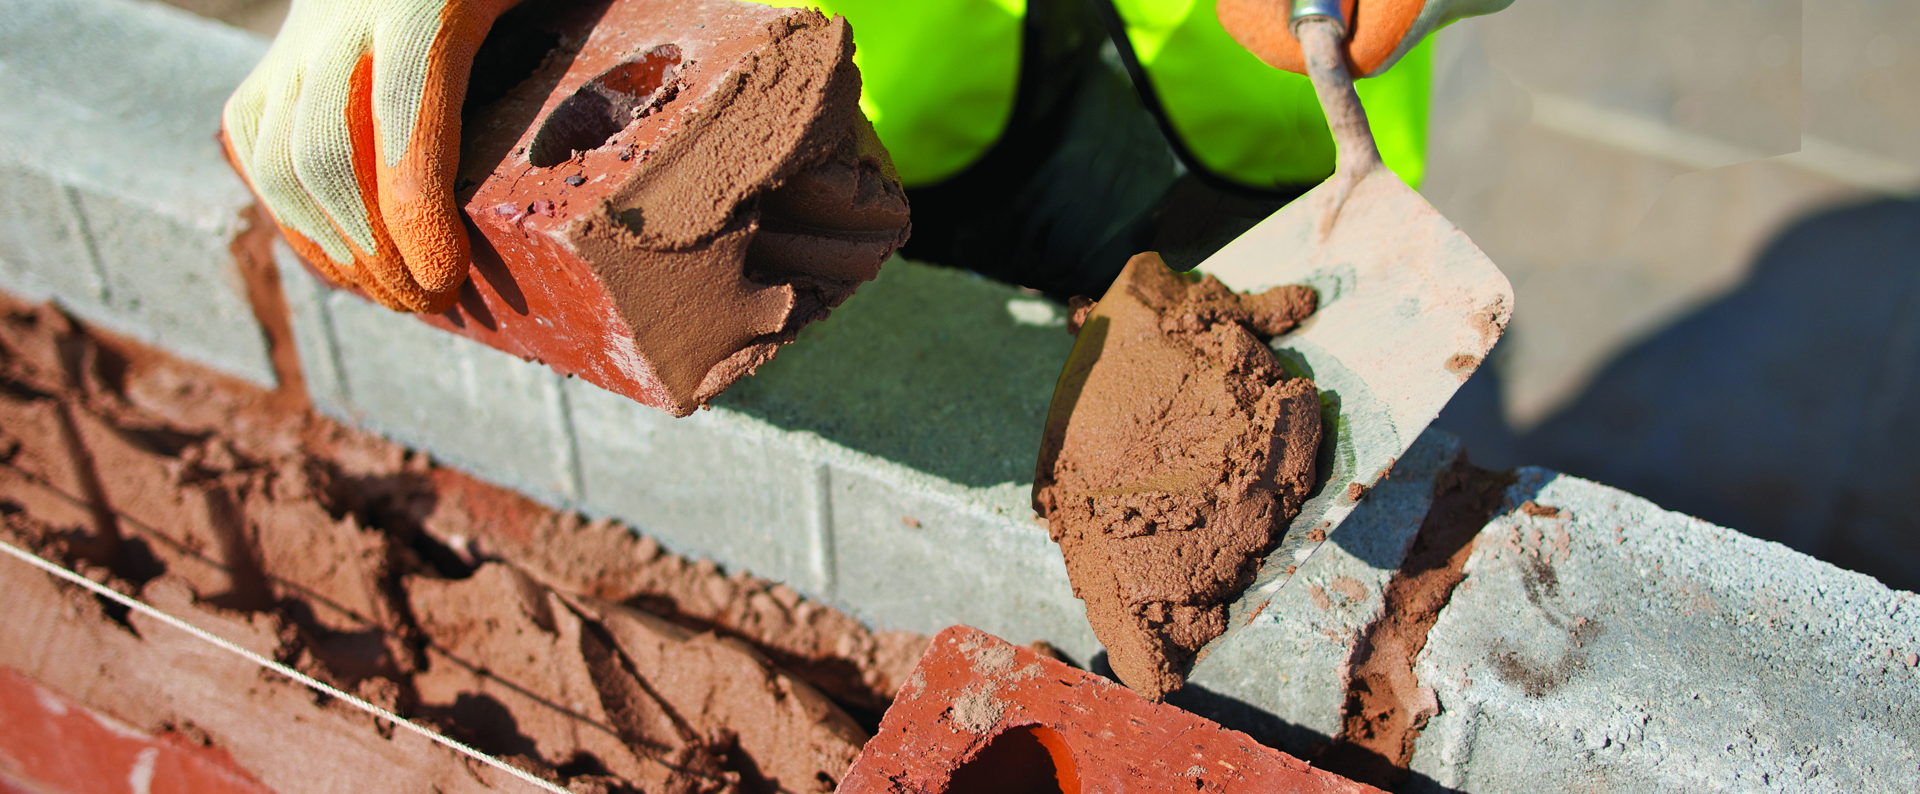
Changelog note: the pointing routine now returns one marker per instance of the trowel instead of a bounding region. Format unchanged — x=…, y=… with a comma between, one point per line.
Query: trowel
x=1408, y=309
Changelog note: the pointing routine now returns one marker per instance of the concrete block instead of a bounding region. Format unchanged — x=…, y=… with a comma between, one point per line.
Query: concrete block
x=707, y=485
x=467, y=404
x=44, y=249
x=891, y=545
x=1283, y=678
x=124, y=98
x=171, y=284
x=119, y=205
x=1605, y=639
x=935, y=368
x=881, y=463
x=914, y=552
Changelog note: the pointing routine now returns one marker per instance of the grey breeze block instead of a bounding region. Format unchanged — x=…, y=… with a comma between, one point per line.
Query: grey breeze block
x=881, y=463
x=114, y=199
x=1618, y=646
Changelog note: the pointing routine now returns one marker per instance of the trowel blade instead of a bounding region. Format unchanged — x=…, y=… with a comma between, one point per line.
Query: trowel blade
x=1409, y=308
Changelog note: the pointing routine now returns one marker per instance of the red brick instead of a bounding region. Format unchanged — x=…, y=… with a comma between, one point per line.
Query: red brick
x=981, y=714
x=52, y=745
x=666, y=256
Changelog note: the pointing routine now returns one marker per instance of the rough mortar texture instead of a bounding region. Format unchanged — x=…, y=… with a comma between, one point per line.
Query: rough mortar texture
x=528, y=634
x=114, y=199
x=1314, y=622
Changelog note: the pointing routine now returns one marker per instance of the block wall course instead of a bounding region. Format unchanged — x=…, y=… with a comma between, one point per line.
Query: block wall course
x=472, y=406
x=1620, y=642
x=44, y=251
x=781, y=481
x=706, y=484
x=117, y=202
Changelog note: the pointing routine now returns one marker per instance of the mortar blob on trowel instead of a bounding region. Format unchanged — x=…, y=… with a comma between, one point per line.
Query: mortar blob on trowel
x=1175, y=448
x=1173, y=556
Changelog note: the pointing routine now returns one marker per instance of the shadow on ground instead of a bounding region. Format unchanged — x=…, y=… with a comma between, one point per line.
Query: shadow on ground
x=1789, y=410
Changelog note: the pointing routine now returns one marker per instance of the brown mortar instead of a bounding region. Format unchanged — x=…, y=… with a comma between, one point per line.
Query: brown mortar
x=1176, y=452
x=1387, y=706
x=408, y=584
x=252, y=251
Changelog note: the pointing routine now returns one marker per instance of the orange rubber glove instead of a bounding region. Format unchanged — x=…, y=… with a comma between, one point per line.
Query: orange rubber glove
x=1381, y=32
x=349, y=132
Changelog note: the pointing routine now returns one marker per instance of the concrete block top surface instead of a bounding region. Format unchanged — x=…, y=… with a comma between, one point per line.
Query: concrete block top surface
x=938, y=369
x=124, y=98
x=1597, y=636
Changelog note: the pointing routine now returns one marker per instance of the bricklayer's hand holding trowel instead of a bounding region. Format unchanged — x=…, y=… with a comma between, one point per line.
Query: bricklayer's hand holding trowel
x=661, y=209
x=1199, y=418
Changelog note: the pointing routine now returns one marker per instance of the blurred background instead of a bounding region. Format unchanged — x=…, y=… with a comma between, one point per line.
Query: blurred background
x=1710, y=212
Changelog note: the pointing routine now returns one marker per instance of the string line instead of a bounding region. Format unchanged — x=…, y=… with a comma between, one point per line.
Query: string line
x=141, y=607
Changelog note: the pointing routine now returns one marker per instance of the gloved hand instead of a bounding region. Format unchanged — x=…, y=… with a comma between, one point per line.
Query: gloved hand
x=349, y=132
x=1383, y=31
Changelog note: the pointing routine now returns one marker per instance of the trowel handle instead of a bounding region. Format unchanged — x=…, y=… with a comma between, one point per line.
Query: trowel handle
x=1318, y=26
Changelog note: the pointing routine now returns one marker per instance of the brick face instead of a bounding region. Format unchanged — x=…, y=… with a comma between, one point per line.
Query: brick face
x=49, y=743
x=978, y=714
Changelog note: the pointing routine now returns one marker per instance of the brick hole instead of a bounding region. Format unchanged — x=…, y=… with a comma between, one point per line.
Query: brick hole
x=605, y=106
x=1029, y=759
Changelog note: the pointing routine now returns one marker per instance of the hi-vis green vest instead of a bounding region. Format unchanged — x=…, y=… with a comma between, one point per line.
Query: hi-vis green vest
x=939, y=78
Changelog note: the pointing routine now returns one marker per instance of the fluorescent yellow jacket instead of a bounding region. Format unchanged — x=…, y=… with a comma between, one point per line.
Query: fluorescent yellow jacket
x=940, y=76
